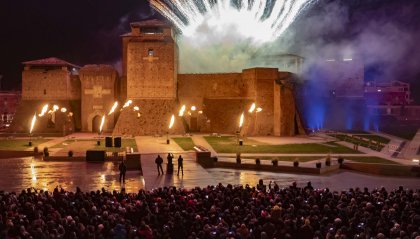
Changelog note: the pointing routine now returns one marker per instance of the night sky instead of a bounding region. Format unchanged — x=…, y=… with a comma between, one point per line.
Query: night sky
x=88, y=32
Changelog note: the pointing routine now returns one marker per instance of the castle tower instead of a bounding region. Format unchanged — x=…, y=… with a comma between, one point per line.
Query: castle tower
x=98, y=84
x=149, y=61
x=51, y=81
x=149, y=79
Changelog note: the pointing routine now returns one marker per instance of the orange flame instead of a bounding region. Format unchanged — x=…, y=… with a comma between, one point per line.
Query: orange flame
x=241, y=120
x=55, y=108
x=113, y=108
x=128, y=103
x=32, y=123
x=172, y=121
x=44, y=110
x=252, y=108
x=102, y=124
x=181, y=111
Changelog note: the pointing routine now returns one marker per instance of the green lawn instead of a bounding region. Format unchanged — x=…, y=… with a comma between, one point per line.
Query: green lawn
x=365, y=143
x=70, y=141
x=87, y=144
x=301, y=159
x=376, y=138
x=228, y=144
x=370, y=160
x=19, y=144
x=186, y=143
x=349, y=131
x=124, y=143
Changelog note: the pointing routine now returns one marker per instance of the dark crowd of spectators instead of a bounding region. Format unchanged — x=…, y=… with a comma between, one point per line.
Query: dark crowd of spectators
x=264, y=211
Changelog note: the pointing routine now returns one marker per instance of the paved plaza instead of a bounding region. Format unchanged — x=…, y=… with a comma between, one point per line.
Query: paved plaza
x=17, y=174
x=20, y=173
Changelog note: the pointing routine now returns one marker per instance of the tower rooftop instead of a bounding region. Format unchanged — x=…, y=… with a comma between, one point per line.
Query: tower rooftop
x=150, y=23
x=51, y=61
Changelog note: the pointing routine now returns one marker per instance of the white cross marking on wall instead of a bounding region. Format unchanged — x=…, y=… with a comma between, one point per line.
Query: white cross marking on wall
x=97, y=91
x=151, y=58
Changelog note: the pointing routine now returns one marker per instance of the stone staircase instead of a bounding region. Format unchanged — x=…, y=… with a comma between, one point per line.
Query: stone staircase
x=412, y=151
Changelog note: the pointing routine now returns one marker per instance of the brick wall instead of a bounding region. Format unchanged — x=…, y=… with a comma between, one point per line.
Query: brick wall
x=99, y=84
x=151, y=76
x=63, y=123
x=49, y=84
x=154, y=119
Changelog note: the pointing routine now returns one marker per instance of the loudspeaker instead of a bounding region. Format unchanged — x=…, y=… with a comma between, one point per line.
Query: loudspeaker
x=117, y=142
x=108, y=141
x=133, y=162
x=95, y=156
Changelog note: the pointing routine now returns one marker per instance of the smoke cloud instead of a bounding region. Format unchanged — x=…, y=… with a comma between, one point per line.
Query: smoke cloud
x=380, y=37
x=383, y=38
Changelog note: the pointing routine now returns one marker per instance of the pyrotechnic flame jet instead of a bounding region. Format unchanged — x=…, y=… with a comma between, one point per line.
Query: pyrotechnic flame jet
x=181, y=111
x=32, y=124
x=252, y=108
x=128, y=103
x=241, y=120
x=113, y=108
x=102, y=124
x=260, y=20
x=54, y=109
x=44, y=110
x=171, y=123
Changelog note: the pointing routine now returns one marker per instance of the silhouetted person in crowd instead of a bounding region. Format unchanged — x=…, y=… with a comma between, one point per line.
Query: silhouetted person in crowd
x=180, y=164
x=211, y=212
x=123, y=170
x=159, y=162
x=170, y=167
x=309, y=186
x=261, y=185
x=306, y=231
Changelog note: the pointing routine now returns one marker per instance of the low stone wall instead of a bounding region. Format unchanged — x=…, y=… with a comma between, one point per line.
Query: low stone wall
x=280, y=168
x=271, y=168
x=383, y=169
x=78, y=159
x=64, y=159
x=18, y=154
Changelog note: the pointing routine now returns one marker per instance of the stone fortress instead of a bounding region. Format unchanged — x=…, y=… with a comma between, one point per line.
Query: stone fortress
x=150, y=79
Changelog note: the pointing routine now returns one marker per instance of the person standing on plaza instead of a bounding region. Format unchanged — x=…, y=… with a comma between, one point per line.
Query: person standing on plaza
x=170, y=167
x=159, y=162
x=180, y=164
x=123, y=170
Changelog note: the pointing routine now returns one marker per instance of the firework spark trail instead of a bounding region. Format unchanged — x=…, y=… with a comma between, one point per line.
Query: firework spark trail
x=249, y=18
